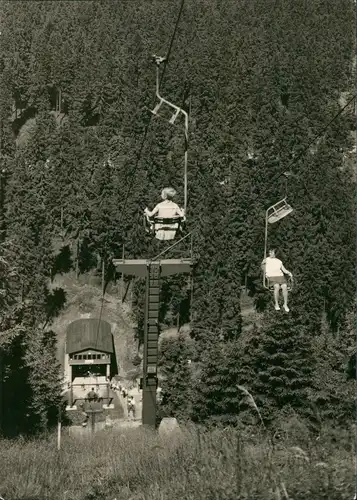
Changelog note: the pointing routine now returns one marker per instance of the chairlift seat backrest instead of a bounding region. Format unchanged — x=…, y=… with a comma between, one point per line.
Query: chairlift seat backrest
x=177, y=219
x=167, y=220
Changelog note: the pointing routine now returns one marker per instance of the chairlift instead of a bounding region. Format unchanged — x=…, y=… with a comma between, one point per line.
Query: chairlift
x=176, y=109
x=278, y=211
x=282, y=208
x=273, y=214
x=71, y=408
x=270, y=287
x=166, y=227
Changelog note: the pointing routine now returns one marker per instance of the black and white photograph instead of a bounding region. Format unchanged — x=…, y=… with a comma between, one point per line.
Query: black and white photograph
x=178, y=250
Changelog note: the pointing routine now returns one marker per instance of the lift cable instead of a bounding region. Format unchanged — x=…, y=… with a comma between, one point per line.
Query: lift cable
x=315, y=138
x=172, y=41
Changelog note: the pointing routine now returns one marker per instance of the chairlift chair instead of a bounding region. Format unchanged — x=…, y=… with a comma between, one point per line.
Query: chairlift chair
x=273, y=214
x=71, y=408
x=278, y=211
x=172, y=224
x=270, y=287
x=176, y=110
x=162, y=101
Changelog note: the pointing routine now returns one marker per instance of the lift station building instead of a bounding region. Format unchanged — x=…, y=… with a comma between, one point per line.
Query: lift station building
x=88, y=349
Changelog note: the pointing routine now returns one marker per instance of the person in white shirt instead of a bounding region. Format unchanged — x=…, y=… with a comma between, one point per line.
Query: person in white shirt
x=167, y=209
x=275, y=275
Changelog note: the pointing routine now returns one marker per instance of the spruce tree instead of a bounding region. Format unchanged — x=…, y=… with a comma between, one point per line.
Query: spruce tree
x=43, y=378
x=177, y=379
x=217, y=397
x=281, y=365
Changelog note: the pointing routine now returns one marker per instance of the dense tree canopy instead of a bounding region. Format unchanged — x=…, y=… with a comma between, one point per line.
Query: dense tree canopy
x=260, y=80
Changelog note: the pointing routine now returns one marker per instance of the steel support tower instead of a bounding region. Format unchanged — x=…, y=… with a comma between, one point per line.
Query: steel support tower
x=152, y=272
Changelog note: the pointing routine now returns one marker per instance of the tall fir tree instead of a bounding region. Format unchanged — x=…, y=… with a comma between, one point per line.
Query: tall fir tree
x=280, y=371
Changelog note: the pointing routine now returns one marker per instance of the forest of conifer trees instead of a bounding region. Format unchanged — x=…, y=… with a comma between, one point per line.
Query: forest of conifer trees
x=260, y=79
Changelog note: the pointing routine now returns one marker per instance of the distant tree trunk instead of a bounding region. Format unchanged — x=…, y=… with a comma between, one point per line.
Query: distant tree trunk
x=103, y=275
x=77, y=258
x=1, y=391
x=2, y=203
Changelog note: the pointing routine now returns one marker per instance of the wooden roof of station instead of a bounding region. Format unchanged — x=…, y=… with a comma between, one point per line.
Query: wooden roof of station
x=84, y=334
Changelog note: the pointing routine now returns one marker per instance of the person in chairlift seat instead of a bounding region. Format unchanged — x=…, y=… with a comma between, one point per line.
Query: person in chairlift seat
x=167, y=209
x=275, y=274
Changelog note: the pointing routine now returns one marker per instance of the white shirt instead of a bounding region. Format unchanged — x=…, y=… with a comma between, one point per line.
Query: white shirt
x=167, y=209
x=273, y=267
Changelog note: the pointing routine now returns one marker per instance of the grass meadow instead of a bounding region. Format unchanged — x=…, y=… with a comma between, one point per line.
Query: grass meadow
x=192, y=464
